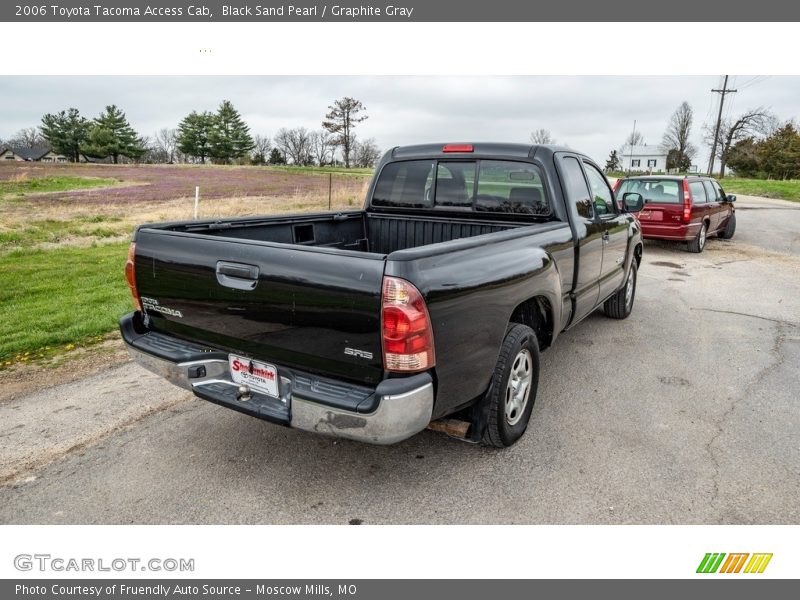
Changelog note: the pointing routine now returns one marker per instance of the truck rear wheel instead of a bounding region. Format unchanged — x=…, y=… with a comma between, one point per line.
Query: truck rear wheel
x=514, y=384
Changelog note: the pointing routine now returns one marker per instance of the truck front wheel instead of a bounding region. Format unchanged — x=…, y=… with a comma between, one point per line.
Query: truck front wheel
x=514, y=384
x=620, y=305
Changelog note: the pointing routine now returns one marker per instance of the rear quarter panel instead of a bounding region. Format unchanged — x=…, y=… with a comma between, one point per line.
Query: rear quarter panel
x=472, y=288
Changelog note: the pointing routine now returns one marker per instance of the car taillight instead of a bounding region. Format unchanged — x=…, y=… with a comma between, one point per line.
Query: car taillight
x=687, y=202
x=130, y=276
x=406, y=325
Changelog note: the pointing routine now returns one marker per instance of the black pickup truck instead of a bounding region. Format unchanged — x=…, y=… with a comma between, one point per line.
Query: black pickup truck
x=434, y=301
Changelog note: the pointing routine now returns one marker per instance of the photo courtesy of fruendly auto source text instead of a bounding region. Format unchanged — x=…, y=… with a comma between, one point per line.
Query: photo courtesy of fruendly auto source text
x=446, y=283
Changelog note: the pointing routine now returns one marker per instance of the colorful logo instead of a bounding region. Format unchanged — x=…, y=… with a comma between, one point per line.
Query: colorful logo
x=734, y=562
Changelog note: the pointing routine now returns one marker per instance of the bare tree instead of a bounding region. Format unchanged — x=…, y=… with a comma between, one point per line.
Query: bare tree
x=675, y=141
x=29, y=137
x=166, y=141
x=150, y=151
x=153, y=152
x=341, y=119
x=753, y=123
x=323, y=144
x=262, y=144
x=295, y=145
x=542, y=136
x=366, y=153
x=635, y=138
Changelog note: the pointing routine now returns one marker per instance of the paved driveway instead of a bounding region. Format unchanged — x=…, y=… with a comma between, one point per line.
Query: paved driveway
x=687, y=412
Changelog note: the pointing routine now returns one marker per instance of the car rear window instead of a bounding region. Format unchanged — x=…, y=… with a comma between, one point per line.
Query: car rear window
x=500, y=186
x=657, y=191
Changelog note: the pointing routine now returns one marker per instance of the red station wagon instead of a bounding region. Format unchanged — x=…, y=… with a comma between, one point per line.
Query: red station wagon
x=687, y=209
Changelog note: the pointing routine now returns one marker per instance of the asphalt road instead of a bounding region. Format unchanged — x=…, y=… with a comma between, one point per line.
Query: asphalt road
x=687, y=412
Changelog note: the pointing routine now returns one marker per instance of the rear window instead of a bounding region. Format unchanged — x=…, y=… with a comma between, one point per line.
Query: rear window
x=658, y=191
x=500, y=186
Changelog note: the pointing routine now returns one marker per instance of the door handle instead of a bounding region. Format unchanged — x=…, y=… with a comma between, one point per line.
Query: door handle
x=237, y=275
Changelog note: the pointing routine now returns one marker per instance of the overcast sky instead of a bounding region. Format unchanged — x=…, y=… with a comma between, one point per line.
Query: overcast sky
x=590, y=114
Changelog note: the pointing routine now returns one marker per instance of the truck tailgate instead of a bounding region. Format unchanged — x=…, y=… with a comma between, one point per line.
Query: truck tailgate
x=309, y=308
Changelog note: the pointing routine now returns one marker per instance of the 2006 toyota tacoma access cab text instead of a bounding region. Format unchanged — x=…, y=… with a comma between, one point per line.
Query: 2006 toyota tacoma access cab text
x=434, y=301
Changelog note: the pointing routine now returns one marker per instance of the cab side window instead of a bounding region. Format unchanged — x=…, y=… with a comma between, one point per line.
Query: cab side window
x=577, y=191
x=602, y=198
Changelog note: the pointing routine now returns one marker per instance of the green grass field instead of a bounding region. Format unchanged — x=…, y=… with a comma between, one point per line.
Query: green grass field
x=53, y=231
x=38, y=185
x=768, y=188
x=53, y=300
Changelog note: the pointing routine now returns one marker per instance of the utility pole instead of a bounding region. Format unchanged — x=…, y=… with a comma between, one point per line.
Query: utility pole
x=721, y=93
x=630, y=151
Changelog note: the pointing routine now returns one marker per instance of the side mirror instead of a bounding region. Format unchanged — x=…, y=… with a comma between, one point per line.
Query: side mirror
x=730, y=198
x=632, y=201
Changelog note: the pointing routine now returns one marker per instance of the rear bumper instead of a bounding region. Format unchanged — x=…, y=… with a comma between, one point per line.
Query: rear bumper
x=393, y=411
x=681, y=232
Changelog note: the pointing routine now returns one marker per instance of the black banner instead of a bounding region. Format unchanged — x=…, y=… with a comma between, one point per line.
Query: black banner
x=610, y=11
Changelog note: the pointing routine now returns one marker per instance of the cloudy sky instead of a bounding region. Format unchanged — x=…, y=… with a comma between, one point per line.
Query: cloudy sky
x=591, y=114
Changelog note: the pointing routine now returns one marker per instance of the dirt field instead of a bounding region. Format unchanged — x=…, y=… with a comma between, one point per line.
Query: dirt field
x=148, y=193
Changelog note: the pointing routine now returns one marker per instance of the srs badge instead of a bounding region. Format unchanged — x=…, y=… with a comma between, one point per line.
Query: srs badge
x=358, y=353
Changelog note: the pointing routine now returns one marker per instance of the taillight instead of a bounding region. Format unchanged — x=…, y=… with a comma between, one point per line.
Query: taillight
x=130, y=276
x=407, y=333
x=687, y=202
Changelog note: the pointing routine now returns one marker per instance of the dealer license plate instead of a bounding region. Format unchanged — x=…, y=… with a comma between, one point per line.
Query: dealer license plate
x=259, y=376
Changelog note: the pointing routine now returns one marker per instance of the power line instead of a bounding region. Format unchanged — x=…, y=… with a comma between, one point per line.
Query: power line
x=754, y=81
x=722, y=93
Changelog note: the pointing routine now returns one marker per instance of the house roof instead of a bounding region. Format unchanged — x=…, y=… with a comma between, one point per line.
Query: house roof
x=28, y=153
x=643, y=150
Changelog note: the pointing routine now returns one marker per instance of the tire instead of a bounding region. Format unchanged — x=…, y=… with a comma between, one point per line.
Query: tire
x=730, y=228
x=510, y=404
x=620, y=305
x=699, y=242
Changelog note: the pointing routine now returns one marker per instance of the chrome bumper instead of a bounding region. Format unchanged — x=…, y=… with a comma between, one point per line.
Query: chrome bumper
x=404, y=406
x=398, y=417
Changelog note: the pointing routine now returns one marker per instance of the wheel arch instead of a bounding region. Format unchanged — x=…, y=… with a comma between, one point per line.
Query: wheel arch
x=536, y=313
x=637, y=254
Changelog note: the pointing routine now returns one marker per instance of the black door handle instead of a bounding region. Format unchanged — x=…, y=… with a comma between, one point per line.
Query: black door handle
x=237, y=275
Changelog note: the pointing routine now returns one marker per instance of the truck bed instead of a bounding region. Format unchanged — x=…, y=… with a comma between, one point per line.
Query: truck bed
x=357, y=231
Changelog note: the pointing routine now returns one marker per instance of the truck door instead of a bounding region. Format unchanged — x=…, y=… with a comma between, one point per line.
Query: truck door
x=614, y=226
x=588, y=232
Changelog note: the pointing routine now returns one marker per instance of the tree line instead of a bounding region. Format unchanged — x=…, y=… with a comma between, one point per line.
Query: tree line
x=219, y=137
x=754, y=143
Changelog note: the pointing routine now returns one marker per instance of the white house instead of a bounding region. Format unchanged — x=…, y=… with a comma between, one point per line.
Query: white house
x=7, y=153
x=644, y=159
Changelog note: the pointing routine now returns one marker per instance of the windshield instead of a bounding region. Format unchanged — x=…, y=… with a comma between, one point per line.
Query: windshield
x=657, y=191
x=500, y=186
